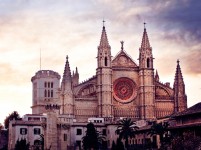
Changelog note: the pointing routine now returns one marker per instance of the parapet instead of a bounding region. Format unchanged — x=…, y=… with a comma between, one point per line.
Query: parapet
x=45, y=74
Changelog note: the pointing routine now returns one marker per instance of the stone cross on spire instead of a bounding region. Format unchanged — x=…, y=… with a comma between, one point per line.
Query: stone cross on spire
x=103, y=22
x=122, y=45
x=145, y=25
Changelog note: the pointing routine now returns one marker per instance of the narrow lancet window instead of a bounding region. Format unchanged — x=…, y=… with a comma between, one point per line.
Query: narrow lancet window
x=45, y=93
x=105, y=61
x=148, y=63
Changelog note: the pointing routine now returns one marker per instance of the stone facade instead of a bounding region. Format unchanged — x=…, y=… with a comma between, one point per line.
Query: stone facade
x=120, y=88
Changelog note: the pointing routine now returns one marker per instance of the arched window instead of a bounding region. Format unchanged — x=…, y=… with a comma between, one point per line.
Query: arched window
x=45, y=93
x=45, y=84
x=48, y=93
x=105, y=61
x=51, y=93
x=148, y=63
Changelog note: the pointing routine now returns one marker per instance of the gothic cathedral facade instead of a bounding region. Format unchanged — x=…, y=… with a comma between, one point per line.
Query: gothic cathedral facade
x=120, y=88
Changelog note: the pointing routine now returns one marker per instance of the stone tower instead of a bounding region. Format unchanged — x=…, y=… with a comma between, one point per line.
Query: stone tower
x=45, y=90
x=67, y=102
x=180, y=97
x=146, y=77
x=104, y=77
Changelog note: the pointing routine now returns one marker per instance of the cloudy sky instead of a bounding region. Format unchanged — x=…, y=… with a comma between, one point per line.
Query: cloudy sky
x=73, y=28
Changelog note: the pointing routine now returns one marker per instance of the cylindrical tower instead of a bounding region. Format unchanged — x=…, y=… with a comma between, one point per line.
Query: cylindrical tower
x=45, y=90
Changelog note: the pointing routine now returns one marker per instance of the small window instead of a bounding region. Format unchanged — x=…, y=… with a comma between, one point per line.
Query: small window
x=23, y=131
x=104, y=131
x=79, y=131
x=65, y=137
x=51, y=93
x=48, y=93
x=51, y=84
x=148, y=62
x=105, y=61
x=45, y=93
x=37, y=131
x=48, y=84
x=45, y=84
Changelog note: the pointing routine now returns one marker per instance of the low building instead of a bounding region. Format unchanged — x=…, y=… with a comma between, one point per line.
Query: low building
x=187, y=120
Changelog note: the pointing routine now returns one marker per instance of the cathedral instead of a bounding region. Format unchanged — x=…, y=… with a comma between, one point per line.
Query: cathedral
x=120, y=88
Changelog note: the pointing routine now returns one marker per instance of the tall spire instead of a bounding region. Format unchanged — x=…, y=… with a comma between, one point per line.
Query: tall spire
x=104, y=40
x=145, y=55
x=178, y=75
x=179, y=91
x=145, y=40
x=67, y=72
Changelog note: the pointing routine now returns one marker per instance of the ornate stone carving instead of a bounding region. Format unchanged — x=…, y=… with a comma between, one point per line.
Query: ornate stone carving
x=125, y=90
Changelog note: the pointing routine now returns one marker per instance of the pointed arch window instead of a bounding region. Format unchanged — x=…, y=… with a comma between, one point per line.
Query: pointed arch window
x=148, y=63
x=45, y=93
x=51, y=93
x=48, y=93
x=105, y=61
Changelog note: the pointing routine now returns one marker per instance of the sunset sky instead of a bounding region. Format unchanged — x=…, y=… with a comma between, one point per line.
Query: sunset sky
x=73, y=28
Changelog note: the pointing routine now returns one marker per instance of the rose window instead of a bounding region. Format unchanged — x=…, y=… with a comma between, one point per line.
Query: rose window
x=124, y=90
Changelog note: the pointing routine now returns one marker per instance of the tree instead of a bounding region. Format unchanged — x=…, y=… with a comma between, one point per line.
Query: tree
x=1, y=126
x=13, y=115
x=187, y=141
x=92, y=139
x=39, y=143
x=42, y=141
x=126, y=129
x=160, y=129
x=120, y=145
x=113, y=146
x=22, y=145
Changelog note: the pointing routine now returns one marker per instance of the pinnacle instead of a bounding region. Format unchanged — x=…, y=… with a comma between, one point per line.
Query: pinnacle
x=178, y=74
x=157, y=76
x=145, y=40
x=104, y=40
x=67, y=72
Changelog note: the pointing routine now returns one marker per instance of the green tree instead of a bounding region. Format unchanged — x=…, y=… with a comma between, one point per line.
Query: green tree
x=126, y=129
x=160, y=129
x=93, y=139
x=13, y=115
x=22, y=145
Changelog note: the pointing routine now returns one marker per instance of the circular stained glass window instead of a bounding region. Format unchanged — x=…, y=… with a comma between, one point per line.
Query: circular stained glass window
x=125, y=90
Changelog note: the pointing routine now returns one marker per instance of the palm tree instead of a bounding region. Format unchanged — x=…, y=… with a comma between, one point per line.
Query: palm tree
x=126, y=129
x=92, y=139
x=159, y=129
x=22, y=145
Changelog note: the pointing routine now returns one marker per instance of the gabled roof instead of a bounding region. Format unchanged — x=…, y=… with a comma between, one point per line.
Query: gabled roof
x=195, y=109
x=124, y=60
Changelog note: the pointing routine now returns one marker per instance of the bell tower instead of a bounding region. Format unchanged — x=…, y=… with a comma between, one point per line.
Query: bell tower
x=146, y=76
x=104, y=77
